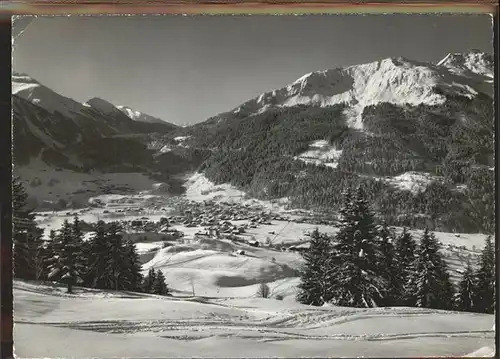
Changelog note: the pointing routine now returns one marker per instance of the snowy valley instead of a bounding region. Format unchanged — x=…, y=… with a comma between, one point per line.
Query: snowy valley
x=227, y=209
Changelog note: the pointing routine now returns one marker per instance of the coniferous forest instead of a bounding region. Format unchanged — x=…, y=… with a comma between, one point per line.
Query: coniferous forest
x=452, y=143
x=368, y=265
x=106, y=261
x=364, y=265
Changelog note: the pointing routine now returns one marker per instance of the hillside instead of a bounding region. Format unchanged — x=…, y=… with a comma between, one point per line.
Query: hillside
x=82, y=142
x=61, y=131
x=420, y=136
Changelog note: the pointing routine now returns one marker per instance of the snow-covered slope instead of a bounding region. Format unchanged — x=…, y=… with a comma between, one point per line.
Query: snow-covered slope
x=139, y=116
x=47, y=121
x=29, y=89
x=49, y=323
x=103, y=106
x=107, y=107
x=321, y=153
x=394, y=80
x=475, y=62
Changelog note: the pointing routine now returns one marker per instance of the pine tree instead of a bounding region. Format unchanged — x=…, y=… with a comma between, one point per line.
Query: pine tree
x=405, y=249
x=357, y=287
x=26, y=235
x=159, y=285
x=388, y=267
x=429, y=284
x=97, y=254
x=359, y=282
x=147, y=285
x=115, y=267
x=68, y=262
x=446, y=293
x=40, y=257
x=464, y=299
x=484, y=296
x=314, y=288
x=76, y=229
x=132, y=277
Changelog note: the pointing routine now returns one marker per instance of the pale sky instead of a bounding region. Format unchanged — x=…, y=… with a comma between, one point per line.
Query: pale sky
x=185, y=69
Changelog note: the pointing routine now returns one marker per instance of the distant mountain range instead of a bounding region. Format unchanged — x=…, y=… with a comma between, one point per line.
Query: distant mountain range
x=64, y=133
x=420, y=136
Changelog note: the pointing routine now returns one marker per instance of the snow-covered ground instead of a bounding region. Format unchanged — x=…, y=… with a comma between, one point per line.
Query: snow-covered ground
x=49, y=323
x=43, y=184
x=200, y=188
x=411, y=181
x=321, y=153
x=214, y=310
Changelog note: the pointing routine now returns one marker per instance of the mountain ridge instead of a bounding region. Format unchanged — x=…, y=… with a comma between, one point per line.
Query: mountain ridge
x=396, y=80
x=377, y=124
x=32, y=90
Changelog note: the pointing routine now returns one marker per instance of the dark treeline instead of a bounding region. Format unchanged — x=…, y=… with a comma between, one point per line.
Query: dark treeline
x=453, y=142
x=365, y=265
x=106, y=261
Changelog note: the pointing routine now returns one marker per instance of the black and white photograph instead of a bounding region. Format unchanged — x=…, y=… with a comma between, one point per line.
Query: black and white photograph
x=252, y=186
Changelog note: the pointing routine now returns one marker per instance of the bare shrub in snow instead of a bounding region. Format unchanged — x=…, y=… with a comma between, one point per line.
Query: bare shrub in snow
x=263, y=291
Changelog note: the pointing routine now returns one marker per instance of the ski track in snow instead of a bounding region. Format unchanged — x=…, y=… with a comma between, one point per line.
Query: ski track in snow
x=232, y=329
x=235, y=318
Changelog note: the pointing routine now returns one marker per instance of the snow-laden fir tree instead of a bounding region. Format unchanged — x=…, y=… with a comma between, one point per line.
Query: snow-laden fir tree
x=132, y=278
x=147, y=284
x=68, y=261
x=316, y=280
x=28, y=253
x=405, y=248
x=159, y=285
x=484, y=293
x=388, y=266
x=464, y=298
x=447, y=291
x=429, y=285
x=116, y=265
x=98, y=253
x=359, y=281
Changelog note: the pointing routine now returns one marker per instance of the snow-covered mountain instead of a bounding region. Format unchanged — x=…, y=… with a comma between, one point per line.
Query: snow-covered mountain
x=107, y=107
x=472, y=62
x=48, y=122
x=402, y=127
x=31, y=90
x=394, y=80
x=139, y=116
x=28, y=88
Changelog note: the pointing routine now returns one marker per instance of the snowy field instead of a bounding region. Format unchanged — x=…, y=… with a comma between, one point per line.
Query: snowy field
x=46, y=187
x=209, y=262
x=52, y=324
x=214, y=311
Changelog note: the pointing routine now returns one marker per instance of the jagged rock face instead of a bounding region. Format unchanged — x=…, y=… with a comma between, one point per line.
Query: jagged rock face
x=394, y=80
